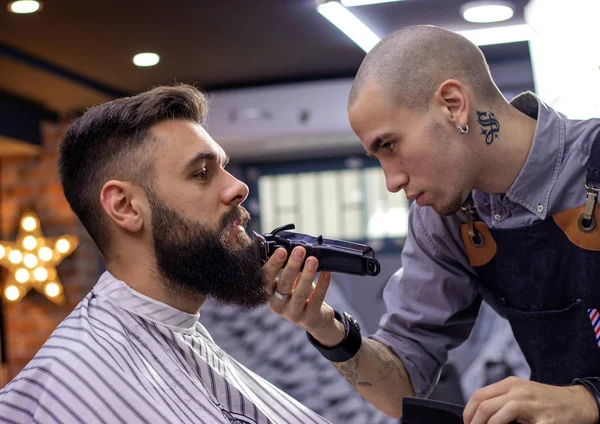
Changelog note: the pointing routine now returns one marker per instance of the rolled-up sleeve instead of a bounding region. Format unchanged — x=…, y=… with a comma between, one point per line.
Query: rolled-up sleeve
x=432, y=301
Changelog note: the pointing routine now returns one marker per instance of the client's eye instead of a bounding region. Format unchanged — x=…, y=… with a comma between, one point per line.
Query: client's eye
x=202, y=174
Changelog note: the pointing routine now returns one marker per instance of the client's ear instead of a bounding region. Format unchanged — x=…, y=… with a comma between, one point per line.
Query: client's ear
x=122, y=202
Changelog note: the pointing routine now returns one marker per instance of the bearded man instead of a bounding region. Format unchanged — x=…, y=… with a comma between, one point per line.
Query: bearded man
x=150, y=186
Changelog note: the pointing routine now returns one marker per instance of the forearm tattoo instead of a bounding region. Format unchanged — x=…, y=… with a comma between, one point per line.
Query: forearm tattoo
x=387, y=364
x=349, y=370
x=490, y=127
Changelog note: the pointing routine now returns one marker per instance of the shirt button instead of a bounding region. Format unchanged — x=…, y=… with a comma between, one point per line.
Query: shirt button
x=540, y=208
x=497, y=217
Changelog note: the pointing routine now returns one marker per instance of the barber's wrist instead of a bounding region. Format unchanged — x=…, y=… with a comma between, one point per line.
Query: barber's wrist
x=591, y=389
x=348, y=347
x=331, y=335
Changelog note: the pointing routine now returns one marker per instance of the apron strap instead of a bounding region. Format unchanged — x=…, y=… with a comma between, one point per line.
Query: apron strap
x=586, y=222
x=592, y=179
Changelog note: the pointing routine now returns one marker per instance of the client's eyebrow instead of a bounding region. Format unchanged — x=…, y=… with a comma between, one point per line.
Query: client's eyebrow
x=207, y=156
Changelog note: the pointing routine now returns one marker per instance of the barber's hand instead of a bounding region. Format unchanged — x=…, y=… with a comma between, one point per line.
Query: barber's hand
x=305, y=307
x=528, y=402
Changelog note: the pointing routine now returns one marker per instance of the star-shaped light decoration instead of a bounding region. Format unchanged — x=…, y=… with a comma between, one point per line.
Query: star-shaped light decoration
x=32, y=260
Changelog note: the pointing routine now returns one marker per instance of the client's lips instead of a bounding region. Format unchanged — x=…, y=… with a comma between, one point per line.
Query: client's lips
x=236, y=222
x=238, y=225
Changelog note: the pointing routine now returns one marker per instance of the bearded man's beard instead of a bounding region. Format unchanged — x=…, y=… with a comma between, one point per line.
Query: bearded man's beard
x=195, y=260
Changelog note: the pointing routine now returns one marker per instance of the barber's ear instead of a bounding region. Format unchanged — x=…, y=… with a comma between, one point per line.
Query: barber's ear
x=453, y=98
x=123, y=204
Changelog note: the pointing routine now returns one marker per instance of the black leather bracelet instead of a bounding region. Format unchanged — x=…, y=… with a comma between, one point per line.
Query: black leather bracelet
x=593, y=385
x=348, y=347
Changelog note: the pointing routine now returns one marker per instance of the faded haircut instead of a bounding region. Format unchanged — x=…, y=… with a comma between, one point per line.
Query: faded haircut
x=114, y=141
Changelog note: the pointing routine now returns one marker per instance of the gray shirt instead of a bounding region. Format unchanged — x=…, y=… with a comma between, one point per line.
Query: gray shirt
x=429, y=300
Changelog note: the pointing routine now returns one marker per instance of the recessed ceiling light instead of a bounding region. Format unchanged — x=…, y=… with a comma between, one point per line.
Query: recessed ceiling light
x=487, y=11
x=24, y=6
x=362, y=35
x=146, y=59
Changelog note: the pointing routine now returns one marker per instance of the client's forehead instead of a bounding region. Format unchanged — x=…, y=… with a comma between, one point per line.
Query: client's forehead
x=182, y=141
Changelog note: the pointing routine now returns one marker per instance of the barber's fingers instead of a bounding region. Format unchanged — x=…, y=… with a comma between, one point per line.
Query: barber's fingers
x=318, y=313
x=289, y=274
x=302, y=290
x=273, y=266
x=317, y=296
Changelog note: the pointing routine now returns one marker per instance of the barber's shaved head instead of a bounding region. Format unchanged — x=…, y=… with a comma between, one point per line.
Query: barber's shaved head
x=411, y=63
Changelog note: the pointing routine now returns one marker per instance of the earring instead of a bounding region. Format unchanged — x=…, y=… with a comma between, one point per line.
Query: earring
x=463, y=130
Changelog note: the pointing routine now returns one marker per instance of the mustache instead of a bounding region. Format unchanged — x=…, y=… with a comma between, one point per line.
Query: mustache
x=237, y=214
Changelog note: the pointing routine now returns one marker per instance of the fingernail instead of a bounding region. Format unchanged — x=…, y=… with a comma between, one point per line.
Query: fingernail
x=281, y=253
x=311, y=265
x=298, y=253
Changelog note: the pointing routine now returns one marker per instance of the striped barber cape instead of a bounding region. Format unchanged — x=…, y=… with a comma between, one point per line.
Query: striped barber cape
x=122, y=357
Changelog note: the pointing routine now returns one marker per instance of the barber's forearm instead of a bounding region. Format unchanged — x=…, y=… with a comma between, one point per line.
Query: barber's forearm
x=378, y=375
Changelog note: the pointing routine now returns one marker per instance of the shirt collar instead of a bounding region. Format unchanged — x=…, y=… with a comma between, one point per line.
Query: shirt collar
x=120, y=294
x=534, y=183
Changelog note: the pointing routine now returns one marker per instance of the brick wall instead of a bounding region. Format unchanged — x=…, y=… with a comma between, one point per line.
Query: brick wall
x=32, y=182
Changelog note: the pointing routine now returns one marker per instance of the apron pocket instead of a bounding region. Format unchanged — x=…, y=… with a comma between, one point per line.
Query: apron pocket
x=559, y=345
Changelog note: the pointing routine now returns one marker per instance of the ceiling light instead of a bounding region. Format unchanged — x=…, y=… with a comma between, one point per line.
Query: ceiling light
x=498, y=35
x=350, y=3
x=349, y=24
x=24, y=6
x=146, y=59
x=487, y=11
x=366, y=39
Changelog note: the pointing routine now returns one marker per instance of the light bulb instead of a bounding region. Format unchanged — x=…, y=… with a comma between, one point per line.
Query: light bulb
x=29, y=223
x=63, y=246
x=15, y=256
x=40, y=274
x=30, y=260
x=12, y=293
x=45, y=254
x=52, y=289
x=29, y=242
x=22, y=275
